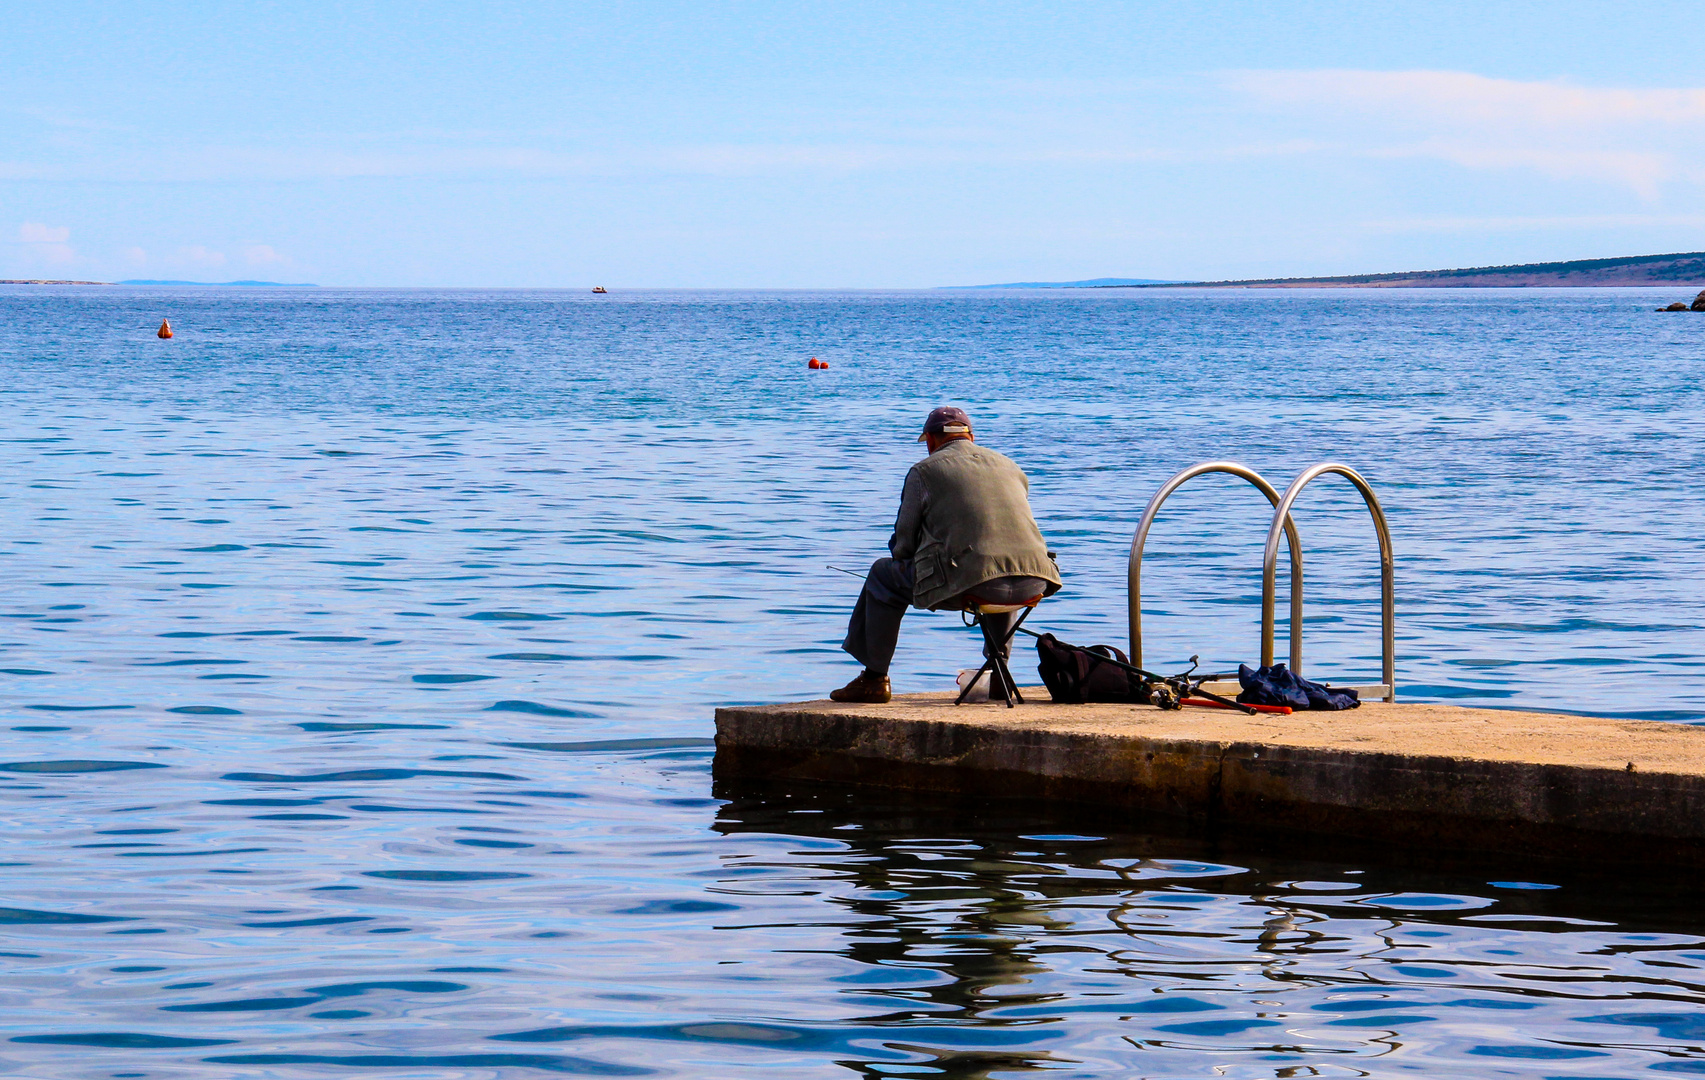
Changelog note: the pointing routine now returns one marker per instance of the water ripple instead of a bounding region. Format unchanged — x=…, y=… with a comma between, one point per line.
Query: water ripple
x=456, y=579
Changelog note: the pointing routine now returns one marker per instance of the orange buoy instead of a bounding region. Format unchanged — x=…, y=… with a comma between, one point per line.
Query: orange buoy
x=165, y=328
x=812, y=363
x=822, y=365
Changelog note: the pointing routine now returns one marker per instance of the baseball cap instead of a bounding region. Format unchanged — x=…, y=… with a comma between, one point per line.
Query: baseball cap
x=946, y=421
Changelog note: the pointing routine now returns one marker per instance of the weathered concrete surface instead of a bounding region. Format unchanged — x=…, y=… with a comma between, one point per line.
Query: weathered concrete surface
x=1431, y=775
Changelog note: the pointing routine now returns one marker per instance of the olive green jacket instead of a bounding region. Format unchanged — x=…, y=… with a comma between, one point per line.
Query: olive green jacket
x=965, y=519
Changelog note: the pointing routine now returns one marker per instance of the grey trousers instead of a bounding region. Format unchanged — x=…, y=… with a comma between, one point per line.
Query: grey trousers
x=873, y=632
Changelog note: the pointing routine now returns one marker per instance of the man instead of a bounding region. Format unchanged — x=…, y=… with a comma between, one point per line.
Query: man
x=964, y=533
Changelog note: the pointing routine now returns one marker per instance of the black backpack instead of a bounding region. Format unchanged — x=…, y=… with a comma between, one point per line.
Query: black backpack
x=1075, y=674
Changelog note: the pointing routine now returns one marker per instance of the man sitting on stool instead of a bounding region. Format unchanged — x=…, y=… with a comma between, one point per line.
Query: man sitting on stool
x=964, y=530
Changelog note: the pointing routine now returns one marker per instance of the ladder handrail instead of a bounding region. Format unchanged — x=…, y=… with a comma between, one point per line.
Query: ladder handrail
x=1270, y=566
x=1134, y=573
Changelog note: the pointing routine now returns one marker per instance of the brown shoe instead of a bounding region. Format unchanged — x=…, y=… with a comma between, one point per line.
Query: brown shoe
x=867, y=689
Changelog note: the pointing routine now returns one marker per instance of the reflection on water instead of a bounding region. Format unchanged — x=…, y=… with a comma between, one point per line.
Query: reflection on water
x=488, y=922
x=1159, y=954
x=357, y=654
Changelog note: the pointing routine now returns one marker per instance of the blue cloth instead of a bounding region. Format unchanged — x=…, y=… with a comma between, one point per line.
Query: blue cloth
x=1277, y=685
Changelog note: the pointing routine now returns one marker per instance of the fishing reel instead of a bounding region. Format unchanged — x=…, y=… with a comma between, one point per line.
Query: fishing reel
x=1168, y=694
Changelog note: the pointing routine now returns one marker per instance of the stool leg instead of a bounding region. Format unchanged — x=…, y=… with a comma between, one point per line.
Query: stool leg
x=966, y=689
x=1010, y=635
x=1013, y=697
x=1009, y=689
x=995, y=644
x=991, y=666
x=993, y=661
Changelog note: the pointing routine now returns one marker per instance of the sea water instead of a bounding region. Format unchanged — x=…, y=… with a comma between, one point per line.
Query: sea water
x=360, y=648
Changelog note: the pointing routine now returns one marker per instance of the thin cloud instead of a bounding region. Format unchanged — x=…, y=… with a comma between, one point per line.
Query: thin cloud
x=238, y=164
x=1462, y=96
x=17, y=170
x=197, y=255
x=46, y=243
x=1643, y=170
x=31, y=232
x=1636, y=138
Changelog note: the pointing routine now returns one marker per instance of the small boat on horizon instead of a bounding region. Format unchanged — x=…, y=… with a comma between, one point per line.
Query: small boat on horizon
x=599, y=289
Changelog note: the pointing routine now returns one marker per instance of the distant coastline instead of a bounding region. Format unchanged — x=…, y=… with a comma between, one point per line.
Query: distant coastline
x=1682, y=268
x=45, y=281
x=150, y=281
x=1090, y=283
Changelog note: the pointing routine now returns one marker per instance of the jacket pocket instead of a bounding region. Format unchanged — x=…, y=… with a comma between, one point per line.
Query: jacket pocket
x=929, y=571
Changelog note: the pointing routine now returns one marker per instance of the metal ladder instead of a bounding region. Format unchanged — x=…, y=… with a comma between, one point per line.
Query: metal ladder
x=1281, y=523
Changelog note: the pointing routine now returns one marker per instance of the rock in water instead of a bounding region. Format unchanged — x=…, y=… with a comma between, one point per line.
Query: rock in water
x=1677, y=306
x=1699, y=301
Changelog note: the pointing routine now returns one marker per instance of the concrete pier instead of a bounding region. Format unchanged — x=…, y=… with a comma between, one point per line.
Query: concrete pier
x=1431, y=776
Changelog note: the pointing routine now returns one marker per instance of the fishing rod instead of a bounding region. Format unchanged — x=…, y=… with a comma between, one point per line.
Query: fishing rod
x=1168, y=691
x=1171, y=691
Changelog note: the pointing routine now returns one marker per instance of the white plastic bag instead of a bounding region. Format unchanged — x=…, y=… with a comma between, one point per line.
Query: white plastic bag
x=979, y=692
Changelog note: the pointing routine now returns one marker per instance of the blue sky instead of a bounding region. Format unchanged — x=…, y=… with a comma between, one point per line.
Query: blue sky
x=840, y=145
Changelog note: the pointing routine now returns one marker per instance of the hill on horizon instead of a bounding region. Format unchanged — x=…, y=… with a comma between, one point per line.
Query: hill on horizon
x=1680, y=268
x=1091, y=283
